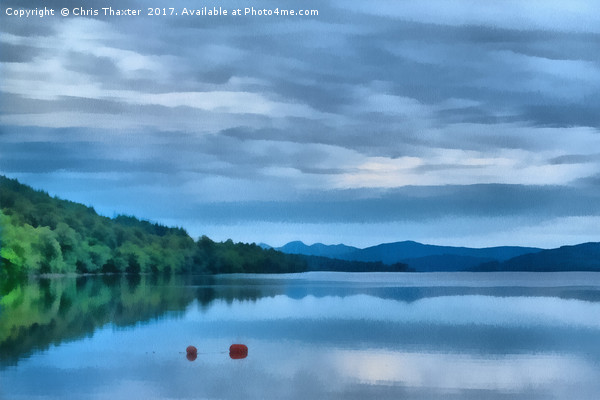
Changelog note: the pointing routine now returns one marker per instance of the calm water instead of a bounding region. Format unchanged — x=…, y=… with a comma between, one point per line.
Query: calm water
x=314, y=335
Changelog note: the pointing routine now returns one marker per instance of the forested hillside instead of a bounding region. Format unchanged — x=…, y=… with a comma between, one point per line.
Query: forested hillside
x=40, y=234
x=581, y=257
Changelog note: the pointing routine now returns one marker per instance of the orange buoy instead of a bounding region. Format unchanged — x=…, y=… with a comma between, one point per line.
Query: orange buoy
x=191, y=353
x=238, y=351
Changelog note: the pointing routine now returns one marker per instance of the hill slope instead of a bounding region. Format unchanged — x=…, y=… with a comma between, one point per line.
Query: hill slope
x=398, y=251
x=582, y=257
x=418, y=256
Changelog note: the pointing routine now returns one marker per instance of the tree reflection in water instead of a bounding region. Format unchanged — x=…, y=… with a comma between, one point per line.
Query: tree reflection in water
x=37, y=313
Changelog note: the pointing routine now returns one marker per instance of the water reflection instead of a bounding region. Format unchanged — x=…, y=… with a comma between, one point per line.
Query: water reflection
x=38, y=313
x=309, y=335
x=510, y=373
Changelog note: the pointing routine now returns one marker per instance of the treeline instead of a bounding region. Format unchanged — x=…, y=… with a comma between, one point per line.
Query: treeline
x=40, y=234
x=318, y=263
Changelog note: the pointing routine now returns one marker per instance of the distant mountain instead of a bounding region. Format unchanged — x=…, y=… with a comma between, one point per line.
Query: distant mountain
x=390, y=253
x=338, y=251
x=581, y=257
x=418, y=256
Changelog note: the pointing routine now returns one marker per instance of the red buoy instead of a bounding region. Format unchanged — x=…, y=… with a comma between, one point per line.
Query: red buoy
x=238, y=351
x=192, y=353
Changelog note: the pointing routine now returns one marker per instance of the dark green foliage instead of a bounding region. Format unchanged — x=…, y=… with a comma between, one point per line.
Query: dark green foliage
x=40, y=234
x=316, y=263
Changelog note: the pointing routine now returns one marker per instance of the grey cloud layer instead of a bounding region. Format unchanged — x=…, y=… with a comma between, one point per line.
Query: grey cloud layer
x=411, y=203
x=415, y=204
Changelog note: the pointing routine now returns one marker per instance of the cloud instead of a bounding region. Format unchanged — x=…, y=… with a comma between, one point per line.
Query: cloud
x=539, y=14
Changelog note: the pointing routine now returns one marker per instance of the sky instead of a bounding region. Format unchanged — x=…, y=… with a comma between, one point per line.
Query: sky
x=455, y=122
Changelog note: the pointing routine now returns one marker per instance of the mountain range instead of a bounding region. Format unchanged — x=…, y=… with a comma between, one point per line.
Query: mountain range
x=428, y=258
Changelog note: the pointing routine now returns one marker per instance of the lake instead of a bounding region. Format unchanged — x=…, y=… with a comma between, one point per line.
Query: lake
x=314, y=335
